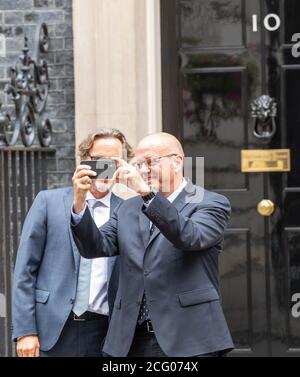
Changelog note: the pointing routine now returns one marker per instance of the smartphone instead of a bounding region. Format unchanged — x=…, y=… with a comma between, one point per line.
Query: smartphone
x=104, y=167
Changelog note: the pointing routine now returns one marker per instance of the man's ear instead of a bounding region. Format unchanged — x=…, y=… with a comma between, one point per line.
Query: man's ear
x=177, y=164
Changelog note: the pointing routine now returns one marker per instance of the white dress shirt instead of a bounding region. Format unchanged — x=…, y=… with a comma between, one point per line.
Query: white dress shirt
x=174, y=194
x=98, y=288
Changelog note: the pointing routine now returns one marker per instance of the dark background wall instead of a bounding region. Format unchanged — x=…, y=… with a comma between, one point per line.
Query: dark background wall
x=19, y=17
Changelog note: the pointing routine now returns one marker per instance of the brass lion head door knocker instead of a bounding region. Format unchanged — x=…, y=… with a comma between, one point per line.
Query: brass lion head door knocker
x=264, y=112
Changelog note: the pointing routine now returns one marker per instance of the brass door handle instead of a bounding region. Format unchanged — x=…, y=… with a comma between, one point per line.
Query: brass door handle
x=266, y=207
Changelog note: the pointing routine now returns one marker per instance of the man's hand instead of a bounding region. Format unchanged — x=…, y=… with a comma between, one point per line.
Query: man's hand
x=82, y=183
x=28, y=346
x=129, y=176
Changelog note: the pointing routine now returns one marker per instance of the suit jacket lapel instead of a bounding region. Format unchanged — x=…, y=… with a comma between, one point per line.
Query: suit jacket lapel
x=68, y=202
x=180, y=202
x=183, y=198
x=144, y=227
x=114, y=201
x=154, y=235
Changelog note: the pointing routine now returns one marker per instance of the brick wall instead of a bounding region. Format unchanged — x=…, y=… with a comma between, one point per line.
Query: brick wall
x=19, y=17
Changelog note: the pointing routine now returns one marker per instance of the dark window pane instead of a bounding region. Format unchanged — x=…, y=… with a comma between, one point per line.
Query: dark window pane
x=213, y=126
x=220, y=23
x=235, y=289
x=292, y=111
x=291, y=24
x=292, y=209
x=293, y=245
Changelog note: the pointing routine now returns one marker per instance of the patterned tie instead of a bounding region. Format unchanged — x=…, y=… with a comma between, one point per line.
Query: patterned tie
x=84, y=279
x=144, y=309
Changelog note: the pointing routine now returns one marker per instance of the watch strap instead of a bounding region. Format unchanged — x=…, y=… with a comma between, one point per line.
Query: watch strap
x=151, y=195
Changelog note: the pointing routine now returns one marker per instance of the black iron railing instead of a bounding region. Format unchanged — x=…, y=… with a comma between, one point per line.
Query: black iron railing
x=23, y=173
x=23, y=169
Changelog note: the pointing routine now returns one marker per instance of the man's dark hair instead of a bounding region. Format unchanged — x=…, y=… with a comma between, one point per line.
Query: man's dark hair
x=105, y=133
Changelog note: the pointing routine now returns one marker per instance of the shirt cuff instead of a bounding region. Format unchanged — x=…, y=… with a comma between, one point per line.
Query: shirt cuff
x=76, y=217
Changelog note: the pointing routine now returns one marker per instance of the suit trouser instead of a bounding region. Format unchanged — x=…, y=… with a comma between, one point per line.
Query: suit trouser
x=80, y=339
x=145, y=344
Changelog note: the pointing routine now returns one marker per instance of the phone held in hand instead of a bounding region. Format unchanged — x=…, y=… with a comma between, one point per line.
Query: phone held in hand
x=104, y=167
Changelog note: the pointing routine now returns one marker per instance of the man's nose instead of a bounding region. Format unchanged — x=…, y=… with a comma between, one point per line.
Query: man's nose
x=144, y=169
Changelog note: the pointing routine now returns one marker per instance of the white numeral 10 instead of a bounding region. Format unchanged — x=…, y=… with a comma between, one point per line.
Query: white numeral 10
x=267, y=25
x=276, y=26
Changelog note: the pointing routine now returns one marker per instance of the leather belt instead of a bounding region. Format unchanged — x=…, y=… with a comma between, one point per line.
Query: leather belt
x=87, y=316
x=145, y=327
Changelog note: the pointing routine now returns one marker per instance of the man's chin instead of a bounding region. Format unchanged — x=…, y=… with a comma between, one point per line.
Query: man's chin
x=153, y=184
x=149, y=182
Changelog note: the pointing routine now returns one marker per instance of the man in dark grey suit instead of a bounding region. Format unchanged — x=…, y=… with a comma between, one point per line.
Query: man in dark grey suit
x=61, y=301
x=168, y=240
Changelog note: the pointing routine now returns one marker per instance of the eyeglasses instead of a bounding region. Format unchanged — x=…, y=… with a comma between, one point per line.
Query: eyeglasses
x=150, y=162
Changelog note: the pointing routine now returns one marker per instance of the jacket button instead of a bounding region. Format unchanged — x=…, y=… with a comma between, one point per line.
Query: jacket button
x=146, y=273
x=72, y=301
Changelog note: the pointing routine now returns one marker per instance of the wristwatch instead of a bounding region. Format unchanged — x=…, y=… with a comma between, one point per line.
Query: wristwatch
x=151, y=195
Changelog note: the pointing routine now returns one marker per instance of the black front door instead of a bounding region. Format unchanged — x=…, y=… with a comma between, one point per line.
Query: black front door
x=218, y=57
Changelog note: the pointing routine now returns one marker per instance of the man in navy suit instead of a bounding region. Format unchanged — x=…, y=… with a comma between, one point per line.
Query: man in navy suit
x=168, y=239
x=62, y=301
